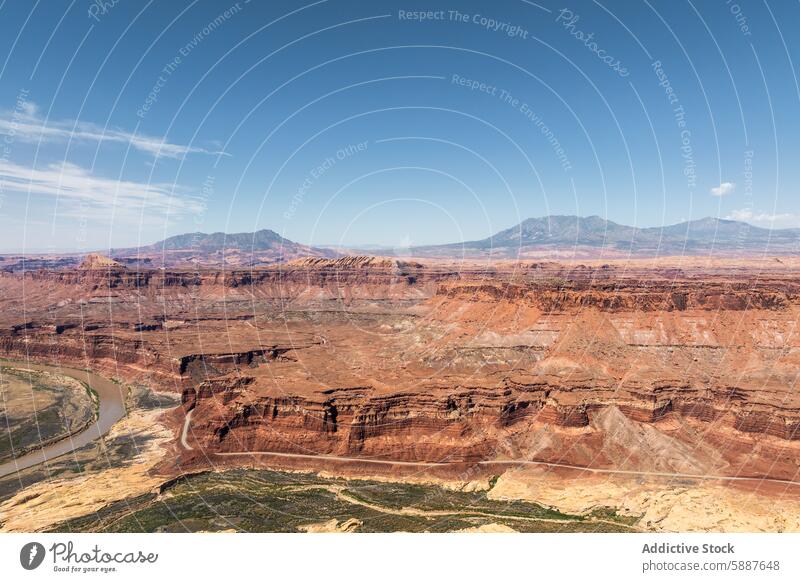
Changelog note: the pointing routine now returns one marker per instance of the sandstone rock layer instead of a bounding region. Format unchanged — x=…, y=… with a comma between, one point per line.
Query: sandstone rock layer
x=685, y=368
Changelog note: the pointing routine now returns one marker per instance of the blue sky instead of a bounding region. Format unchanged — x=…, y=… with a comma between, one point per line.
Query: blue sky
x=338, y=122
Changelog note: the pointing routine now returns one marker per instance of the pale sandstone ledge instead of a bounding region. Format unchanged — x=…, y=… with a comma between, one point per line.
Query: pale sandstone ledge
x=333, y=526
x=46, y=504
x=661, y=505
x=488, y=528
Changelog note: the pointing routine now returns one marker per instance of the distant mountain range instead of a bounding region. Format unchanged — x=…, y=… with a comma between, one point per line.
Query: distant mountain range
x=547, y=237
x=243, y=249
x=593, y=235
x=556, y=235
x=261, y=240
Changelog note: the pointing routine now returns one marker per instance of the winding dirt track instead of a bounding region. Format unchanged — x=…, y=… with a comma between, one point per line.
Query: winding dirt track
x=111, y=410
x=185, y=431
x=342, y=494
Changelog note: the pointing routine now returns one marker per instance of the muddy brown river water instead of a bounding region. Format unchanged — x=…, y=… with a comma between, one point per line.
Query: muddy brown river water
x=111, y=410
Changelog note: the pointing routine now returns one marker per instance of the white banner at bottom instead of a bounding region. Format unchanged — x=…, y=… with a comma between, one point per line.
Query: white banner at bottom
x=332, y=557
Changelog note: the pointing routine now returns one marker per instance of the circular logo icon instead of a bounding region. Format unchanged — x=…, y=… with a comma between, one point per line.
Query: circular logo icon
x=31, y=555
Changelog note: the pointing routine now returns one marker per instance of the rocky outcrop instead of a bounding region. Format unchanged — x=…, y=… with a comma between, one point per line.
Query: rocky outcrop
x=332, y=279
x=354, y=262
x=94, y=261
x=632, y=296
x=399, y=360
x=549, y=287
x=544, y=419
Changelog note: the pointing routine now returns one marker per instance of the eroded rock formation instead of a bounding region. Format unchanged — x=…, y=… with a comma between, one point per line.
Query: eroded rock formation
x=659, y=367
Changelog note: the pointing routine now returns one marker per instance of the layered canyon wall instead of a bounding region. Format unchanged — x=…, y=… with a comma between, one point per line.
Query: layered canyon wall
x=658, y=367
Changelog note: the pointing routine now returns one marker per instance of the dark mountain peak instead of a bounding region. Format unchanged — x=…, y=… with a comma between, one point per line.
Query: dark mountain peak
x=264, y=239
x=597, y=234
x=561, y=229
x=262, y=247
x=721, y=230
x=560, y=220
x=709, y=222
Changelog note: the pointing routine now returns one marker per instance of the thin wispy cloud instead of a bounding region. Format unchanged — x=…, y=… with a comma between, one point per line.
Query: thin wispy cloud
x=26, y=124
x=80, y=192
x=779, y=220
x=723, y=189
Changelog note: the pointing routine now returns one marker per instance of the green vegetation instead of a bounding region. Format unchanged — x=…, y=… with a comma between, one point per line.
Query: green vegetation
x=144, y=398
x=264, y=501
x=611, y=513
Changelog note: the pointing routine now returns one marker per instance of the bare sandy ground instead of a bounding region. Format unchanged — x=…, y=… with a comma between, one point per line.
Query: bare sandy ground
x=333, y=526
x=45, y=504
x=662, y=505
x=488, y=528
